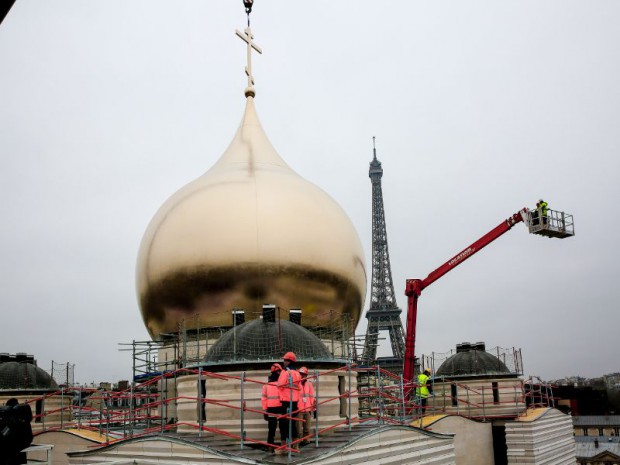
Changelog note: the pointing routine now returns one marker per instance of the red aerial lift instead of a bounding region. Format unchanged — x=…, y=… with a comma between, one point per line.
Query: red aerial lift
x=553, y=224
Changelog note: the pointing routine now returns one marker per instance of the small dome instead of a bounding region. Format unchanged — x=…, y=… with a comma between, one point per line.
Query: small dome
x=15, y=375
x=258, y=341
x=473, y=360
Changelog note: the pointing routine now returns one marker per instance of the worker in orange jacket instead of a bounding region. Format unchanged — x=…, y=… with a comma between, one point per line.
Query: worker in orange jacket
x=271, y=404
x=288, y=384
x=307, y=405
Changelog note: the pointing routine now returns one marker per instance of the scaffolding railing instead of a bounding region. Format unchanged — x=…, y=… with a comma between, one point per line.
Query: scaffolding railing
x=538, y=393
x=63, y=373
x=141, y=409
x=191, y=343
x=138, y=411
x=508, y=360
x=477, y=400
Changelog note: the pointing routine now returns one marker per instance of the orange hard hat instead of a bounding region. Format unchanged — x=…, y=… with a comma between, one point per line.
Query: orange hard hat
x=303, y=370
x=276, y=367
x=290, y=356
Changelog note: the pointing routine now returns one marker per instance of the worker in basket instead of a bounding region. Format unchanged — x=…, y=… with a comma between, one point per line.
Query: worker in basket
x=542, y=208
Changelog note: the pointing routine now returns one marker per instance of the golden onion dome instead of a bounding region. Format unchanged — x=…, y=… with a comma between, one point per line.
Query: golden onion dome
x=248, y=232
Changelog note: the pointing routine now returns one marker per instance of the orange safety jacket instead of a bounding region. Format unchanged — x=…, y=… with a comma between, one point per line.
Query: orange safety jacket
x=307, y=401
x=286, y=379
x=271, y=395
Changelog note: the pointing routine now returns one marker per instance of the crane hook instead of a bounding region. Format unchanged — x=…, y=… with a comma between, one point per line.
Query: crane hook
x=248, y=6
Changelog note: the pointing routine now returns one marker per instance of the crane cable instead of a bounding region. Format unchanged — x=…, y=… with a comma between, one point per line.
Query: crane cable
x=248, y=8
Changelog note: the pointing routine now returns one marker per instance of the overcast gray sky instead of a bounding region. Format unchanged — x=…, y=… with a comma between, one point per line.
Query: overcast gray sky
x=479, y=108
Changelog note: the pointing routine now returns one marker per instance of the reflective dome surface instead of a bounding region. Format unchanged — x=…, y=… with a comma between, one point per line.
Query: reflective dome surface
x=258, y=340
x=15, y=375
x=473, y=361
x=250, y=231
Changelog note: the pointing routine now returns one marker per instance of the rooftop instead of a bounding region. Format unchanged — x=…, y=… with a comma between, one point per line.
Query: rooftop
x=587, y=448
x=596, y=420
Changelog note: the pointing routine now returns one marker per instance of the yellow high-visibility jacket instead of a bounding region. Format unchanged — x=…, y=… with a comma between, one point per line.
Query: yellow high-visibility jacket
x=422, y=389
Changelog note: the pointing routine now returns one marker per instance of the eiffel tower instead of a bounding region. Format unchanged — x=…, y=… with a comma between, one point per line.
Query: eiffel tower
x=383, y=314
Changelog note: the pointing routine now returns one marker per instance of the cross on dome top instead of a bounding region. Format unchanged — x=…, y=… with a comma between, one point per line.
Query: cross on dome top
x=247, y=37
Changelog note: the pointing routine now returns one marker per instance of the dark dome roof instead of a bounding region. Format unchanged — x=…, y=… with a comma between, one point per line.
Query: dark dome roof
x=16, y=375
x=472, y=360
x=257, y=340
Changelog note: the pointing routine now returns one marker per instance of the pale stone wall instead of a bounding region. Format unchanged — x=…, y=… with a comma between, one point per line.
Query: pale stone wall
x=387, y=445
x=337, y=348
x=473, y=440
x=193, y=352
x=63, y=442
x=545, y=439
x=227, y=416
x=475, y=398
x=167, y=388
x=396, y=446
x=196, y=350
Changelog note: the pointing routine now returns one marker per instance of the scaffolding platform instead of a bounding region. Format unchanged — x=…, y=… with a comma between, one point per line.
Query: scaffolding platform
x=554, y=224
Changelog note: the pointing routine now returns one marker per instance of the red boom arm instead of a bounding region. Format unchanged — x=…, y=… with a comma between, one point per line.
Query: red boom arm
x=416, y=286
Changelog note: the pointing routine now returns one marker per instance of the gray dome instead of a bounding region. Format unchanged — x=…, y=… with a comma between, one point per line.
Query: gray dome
x=259, y=341
x=471, y=360
x=16, y=375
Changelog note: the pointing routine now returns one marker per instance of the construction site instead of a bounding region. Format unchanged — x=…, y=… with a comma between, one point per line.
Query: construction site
x=196, y=391
x=199, y=389
x=221, y=408
x=195, y=396
x=251, y=269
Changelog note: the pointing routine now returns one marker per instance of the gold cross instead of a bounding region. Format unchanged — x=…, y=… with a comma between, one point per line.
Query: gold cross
x=247, y=37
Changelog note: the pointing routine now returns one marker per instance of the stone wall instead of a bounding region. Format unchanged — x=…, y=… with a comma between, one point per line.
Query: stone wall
x=475, y=398
x=63, y=442
x=473, y=440
x=227, y=392
x=543, y=436
x=383, y=445
x=50, y=407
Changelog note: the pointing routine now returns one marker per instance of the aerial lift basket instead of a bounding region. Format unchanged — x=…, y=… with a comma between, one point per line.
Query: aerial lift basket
x=554, y=224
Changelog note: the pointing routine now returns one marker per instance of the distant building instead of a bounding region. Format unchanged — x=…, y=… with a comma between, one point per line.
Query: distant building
x=597, y=439
x=582, y=400
x=597, y=425
x=597, y=451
